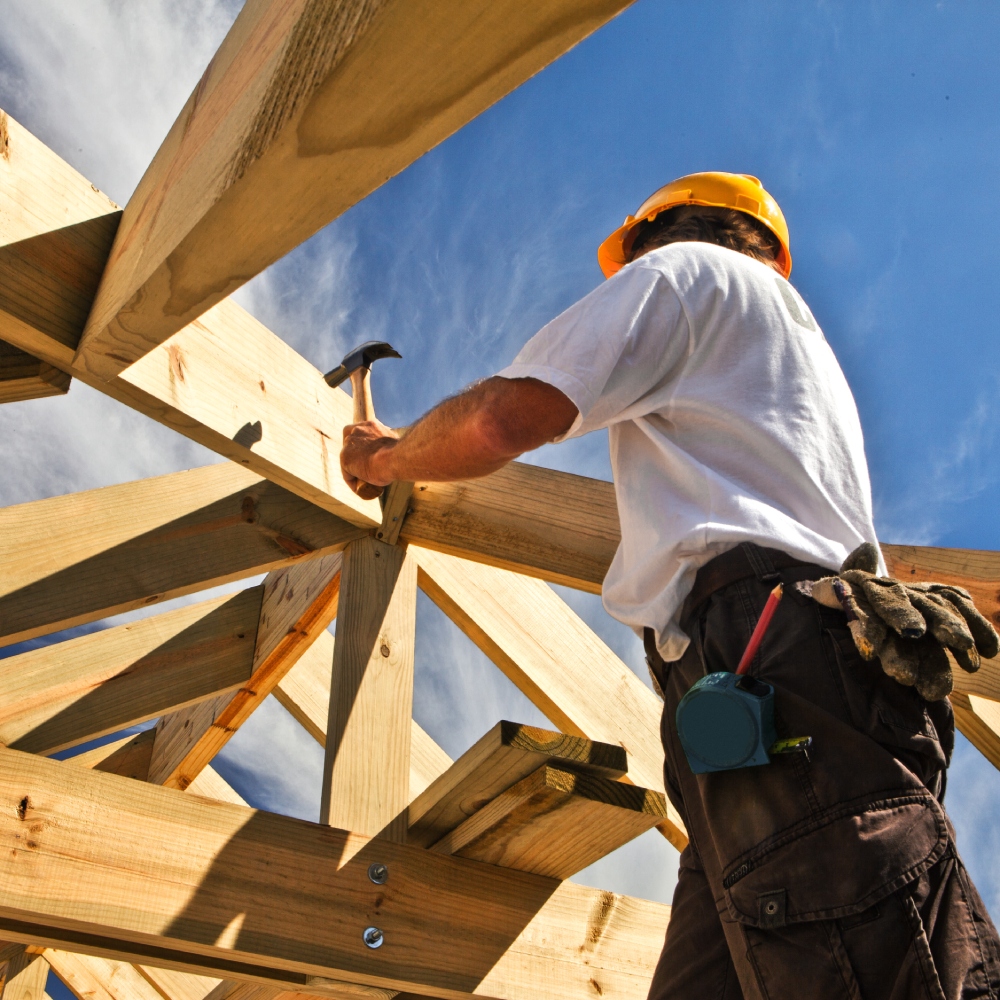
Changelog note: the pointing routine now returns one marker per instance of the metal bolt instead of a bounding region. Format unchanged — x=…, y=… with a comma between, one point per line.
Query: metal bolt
x=378, y=872
x=373, y=937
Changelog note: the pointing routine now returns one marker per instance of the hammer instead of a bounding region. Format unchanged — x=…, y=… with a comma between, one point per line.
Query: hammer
x=357, y=367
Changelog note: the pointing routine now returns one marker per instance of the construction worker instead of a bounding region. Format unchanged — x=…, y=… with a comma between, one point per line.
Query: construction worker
x=738, y=461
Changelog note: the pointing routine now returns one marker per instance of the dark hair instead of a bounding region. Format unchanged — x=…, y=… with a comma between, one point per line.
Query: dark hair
x=725, y=227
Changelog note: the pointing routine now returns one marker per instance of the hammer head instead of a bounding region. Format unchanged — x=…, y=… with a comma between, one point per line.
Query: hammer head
x=361, y=357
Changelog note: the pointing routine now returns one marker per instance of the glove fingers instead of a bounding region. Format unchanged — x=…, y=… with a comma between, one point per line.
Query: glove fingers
x=900, y=659
x=934, y=680
x=864, y=557
x=943, y=621
x=985, y=636
x=892, y=604
x=967, y=659
x=867, y=629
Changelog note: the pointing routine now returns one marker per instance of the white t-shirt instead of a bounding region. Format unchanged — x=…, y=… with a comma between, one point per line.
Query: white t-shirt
x=729, y=420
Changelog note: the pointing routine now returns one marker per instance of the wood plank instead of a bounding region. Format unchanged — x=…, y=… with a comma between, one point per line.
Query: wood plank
x=92, y=978
x=553, y=525
x=25, y=977
x=209, y=784
x=225, y=381
x=173, y=985
x=23, y=376
x=304, y=110
x=76, y=558
x=127, y=757
x=63, y=694
x=523, y=626
x=396, y=507
x=305, y=693
x=985, y=682
x=154, y=876
x=56, y=230
x=555, y=822
x=298, y=603
x=979, y=721
x=508, y=753
x=367, y=764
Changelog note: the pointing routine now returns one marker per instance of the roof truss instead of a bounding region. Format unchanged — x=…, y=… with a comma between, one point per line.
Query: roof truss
x=128, y=890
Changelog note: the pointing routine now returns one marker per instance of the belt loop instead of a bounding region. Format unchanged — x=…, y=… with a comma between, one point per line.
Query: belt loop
x=760, y=562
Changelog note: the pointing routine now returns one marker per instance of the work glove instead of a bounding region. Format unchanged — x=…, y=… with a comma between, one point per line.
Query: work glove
x=907, y=627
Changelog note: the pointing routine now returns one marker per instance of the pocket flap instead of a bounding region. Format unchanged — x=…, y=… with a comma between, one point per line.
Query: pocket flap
x=835, y=865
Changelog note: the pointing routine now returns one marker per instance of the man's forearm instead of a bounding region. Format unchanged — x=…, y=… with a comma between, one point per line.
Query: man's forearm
x=470, y=435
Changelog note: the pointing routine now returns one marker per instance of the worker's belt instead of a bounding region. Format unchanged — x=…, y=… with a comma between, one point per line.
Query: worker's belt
x=746, y=560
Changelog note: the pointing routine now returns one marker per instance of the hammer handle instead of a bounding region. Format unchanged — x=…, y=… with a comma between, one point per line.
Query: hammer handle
x=364, y=409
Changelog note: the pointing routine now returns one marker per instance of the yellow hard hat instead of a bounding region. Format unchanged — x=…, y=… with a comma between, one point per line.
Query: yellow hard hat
x=716, y=187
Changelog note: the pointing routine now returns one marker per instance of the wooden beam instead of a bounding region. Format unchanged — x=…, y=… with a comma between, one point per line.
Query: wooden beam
x=23, y=376
x=304, y=110
x=532, y=635
x=59, y=695
x=173, y=985
x=979, y=721
x=554, y=525
x=77, y=558
x=225, y=381
x=298, y=604
x=305, y=693
x=555, y=822
x=367, y=765
x=154, y=876
x=508, y=753
x=56, y=230
x=90, y=977
x=25, y=977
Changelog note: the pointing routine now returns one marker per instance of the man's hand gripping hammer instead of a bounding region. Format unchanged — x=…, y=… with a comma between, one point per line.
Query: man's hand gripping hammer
x=356, y=366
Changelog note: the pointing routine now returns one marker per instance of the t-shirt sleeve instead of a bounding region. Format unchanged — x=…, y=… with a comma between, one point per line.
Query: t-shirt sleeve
x=613, y=350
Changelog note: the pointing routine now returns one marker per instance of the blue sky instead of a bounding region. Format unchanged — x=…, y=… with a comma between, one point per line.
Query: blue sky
x=873, y=124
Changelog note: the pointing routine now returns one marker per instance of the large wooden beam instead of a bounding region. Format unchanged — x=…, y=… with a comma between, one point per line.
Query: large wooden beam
x=305, y=692
x=306, y=108
x=555, y=659
x=56, y=231
x=77, y=558
x=367, y=762
x=59, y=695
x=23, y=376
x=298, y=604
x=554, y=525
x=225, y=381
x=95, y=863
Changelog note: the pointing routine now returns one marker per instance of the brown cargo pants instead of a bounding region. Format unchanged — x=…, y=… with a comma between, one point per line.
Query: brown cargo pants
x=825, y=875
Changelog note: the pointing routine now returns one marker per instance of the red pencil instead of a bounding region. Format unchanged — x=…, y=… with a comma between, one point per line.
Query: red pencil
x=758, y=633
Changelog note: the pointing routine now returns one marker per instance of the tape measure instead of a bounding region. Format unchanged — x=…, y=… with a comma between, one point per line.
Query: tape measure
x=726, y=721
